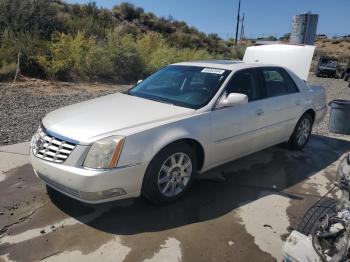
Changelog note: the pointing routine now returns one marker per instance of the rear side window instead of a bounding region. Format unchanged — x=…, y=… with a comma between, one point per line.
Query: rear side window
x=275, y=83
x=291, y=86
x=245, y=82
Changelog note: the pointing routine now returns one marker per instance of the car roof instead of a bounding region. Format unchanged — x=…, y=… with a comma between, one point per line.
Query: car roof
x=233, y=65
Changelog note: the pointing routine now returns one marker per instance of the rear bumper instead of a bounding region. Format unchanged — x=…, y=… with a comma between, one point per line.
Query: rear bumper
x=91, y=186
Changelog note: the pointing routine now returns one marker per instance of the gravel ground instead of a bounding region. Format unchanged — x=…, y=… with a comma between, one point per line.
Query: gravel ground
x=23, y=105
x=335, y=89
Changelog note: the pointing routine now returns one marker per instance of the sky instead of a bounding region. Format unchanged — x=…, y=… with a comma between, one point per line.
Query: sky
x=262, y=17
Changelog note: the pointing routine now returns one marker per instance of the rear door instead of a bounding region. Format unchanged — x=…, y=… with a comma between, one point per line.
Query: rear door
x=278, y=108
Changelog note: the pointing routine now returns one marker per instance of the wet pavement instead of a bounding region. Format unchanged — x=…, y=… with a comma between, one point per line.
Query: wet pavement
x=242, y=211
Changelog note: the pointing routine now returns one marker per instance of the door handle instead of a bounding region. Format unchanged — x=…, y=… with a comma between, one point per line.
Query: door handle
x=259, y=112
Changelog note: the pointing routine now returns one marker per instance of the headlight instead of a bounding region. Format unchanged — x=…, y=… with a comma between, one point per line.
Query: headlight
x=104, y=153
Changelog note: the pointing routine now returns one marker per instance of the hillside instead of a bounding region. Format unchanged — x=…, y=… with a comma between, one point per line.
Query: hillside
x=339, y=49
x=72, y=41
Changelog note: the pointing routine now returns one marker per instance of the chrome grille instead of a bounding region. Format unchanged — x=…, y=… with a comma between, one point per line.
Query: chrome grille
x=50, y=148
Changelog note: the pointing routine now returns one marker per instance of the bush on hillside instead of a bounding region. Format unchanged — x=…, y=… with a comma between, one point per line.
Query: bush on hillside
x=73, y=41
x=156, y=53
x=119, y=57
x=68, y=55
x=30, y=44
x=29, y=16
x=116, y=58
x=7, y=71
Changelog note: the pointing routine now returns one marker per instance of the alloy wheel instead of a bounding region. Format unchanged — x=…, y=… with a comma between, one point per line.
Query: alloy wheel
x=304, y=129
x=174, y=174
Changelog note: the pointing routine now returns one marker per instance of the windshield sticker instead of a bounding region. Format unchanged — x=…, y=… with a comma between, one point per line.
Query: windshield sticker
x=213, y=71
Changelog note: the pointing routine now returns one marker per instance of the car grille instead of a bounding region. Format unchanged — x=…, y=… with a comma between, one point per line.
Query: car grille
x=50, y=148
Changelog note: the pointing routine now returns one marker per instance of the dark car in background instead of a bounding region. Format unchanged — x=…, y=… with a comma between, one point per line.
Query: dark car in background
x=327, y=67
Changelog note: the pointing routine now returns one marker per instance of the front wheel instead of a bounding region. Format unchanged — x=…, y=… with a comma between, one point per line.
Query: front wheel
x=301, y=133
x=170, y=173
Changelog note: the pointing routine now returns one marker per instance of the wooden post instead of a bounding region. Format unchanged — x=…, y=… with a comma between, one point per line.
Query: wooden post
x=17, y=69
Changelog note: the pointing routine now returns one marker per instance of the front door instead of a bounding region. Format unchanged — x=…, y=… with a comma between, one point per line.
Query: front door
x=233, y=128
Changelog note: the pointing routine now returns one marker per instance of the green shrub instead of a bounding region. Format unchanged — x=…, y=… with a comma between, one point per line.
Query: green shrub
x=68, y=55
x=29, y=16
x=7, y=71
x=237, y=52
x=156, y=53
x=116, y=58
x=29, y=44
x=127, y=11
x=73, y=41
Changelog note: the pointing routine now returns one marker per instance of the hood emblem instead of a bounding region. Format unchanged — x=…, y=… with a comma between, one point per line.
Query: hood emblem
x=40, y=143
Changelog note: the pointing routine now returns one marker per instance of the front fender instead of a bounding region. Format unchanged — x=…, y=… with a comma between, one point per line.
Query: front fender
x=143, y=146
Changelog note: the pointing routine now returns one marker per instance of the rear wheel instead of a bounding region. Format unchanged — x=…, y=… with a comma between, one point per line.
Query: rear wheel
x=170, y=173
x=301, y=133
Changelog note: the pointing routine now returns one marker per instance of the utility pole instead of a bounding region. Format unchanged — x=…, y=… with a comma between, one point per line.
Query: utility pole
x=242, y=29
x=237, y=26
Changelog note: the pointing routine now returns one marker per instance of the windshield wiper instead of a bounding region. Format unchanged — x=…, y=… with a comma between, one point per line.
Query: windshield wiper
x=157, y=100
x=149, y=98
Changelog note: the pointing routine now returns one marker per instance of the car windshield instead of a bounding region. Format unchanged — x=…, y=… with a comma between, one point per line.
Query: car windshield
x=186, y=86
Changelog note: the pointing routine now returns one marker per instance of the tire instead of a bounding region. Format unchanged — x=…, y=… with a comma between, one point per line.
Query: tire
x=310, y=221
x=165, y=173
x=296, y=142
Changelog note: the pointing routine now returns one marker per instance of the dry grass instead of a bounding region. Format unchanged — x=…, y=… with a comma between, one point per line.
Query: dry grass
x=335, y=48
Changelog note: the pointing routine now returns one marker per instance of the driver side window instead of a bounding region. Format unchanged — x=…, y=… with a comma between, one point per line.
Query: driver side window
x=245, y=82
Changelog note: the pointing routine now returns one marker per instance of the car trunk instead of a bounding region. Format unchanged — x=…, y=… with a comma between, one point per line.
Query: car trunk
x=296, y=58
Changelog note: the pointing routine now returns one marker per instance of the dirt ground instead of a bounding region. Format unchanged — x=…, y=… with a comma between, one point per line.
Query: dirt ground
x=242, y=211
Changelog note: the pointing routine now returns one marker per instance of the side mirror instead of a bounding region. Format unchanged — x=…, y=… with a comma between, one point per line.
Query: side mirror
x=138, y=82
x=233, y=99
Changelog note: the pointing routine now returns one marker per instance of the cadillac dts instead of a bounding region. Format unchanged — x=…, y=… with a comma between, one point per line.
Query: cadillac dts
x=176, y=124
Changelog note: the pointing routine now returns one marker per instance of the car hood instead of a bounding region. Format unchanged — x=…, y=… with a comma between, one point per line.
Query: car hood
x=112, y=114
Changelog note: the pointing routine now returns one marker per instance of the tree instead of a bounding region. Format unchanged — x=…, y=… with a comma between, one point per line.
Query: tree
x=271, y=38
x=285, y=37
x=127, y=11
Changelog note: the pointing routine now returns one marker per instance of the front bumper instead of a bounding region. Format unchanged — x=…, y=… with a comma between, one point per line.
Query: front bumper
x=91, y=186
x=325, y=71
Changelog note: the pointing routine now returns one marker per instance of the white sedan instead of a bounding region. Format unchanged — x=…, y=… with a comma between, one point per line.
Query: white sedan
x=178, y=123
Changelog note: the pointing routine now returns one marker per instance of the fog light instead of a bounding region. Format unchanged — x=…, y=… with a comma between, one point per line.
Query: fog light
x=94, y=196
x=113, y=192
